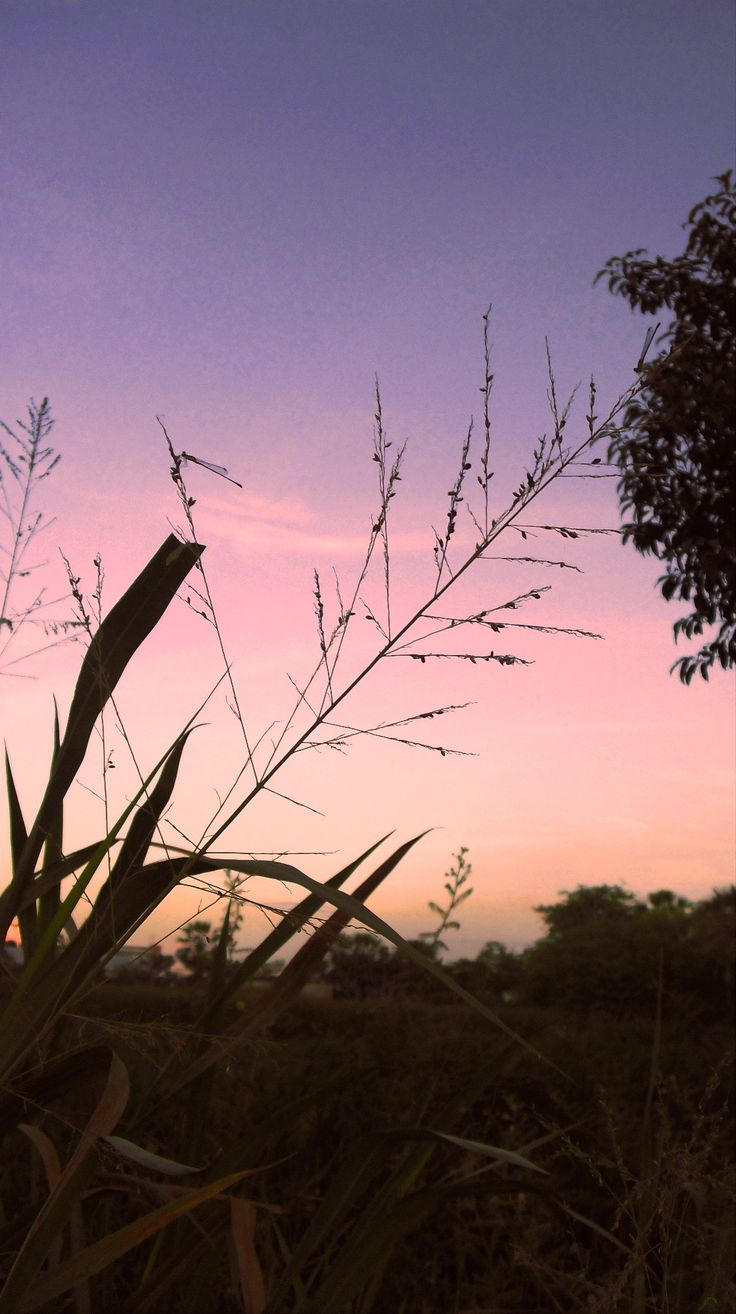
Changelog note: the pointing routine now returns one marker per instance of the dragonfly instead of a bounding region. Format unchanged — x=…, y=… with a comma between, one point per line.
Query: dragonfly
x=647, y=344
x=216, y=469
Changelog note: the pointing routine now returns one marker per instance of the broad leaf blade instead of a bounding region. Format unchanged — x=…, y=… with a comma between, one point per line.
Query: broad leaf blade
x=308, y=959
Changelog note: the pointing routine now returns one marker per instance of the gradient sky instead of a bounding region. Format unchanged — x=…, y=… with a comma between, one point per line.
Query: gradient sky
x=234, y=215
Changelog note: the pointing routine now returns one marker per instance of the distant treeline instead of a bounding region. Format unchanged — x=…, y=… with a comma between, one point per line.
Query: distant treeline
x=603, y=948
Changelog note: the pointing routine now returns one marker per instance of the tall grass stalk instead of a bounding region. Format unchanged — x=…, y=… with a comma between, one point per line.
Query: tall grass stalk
x=26, y=459
x=320, y=695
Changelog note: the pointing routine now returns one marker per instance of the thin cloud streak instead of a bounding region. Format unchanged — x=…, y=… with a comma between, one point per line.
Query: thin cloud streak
x=276, y=532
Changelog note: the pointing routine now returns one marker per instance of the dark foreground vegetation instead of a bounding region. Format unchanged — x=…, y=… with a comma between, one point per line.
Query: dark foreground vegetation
x=629, y=1117
x=375, y=1127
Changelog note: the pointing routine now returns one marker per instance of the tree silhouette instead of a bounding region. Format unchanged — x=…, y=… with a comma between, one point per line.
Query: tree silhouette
x=606, y=949
x=195, y=953
x=676, y=447
x=357, y=965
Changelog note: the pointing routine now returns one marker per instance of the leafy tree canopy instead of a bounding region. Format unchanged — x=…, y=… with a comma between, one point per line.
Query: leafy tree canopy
x=604, y=948
x=676, y=447
x=585, y=905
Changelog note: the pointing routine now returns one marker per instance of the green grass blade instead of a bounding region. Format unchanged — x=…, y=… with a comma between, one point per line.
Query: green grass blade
x=594, y=1227
x=18, y=832
x=114, y=916
x=207, y=1021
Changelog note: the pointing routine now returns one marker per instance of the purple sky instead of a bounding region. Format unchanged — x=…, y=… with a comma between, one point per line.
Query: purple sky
x=234, y=215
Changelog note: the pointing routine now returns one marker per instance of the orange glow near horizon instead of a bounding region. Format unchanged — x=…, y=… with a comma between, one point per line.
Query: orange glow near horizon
x=590, y=766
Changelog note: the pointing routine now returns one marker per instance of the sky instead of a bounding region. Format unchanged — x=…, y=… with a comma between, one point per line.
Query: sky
x=236, y=216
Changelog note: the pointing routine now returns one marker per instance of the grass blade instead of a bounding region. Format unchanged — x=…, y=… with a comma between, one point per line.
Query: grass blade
x=279, y=937
x=49, y=877
x=353, y=1180
x=52, y=1078
x=155, y=1163
x=296, y=973
x=115, y=642
x=243, y=1225
x=33, y=1005
x=53, y=851
x=114, y=917
x=357, y=911
x=101, y=1254
x=25, y=913
x=470, y=1147
x=54, y=1214
x=52, y=1167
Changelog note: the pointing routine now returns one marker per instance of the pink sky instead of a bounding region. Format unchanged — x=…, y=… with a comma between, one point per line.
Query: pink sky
x=233, y=216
